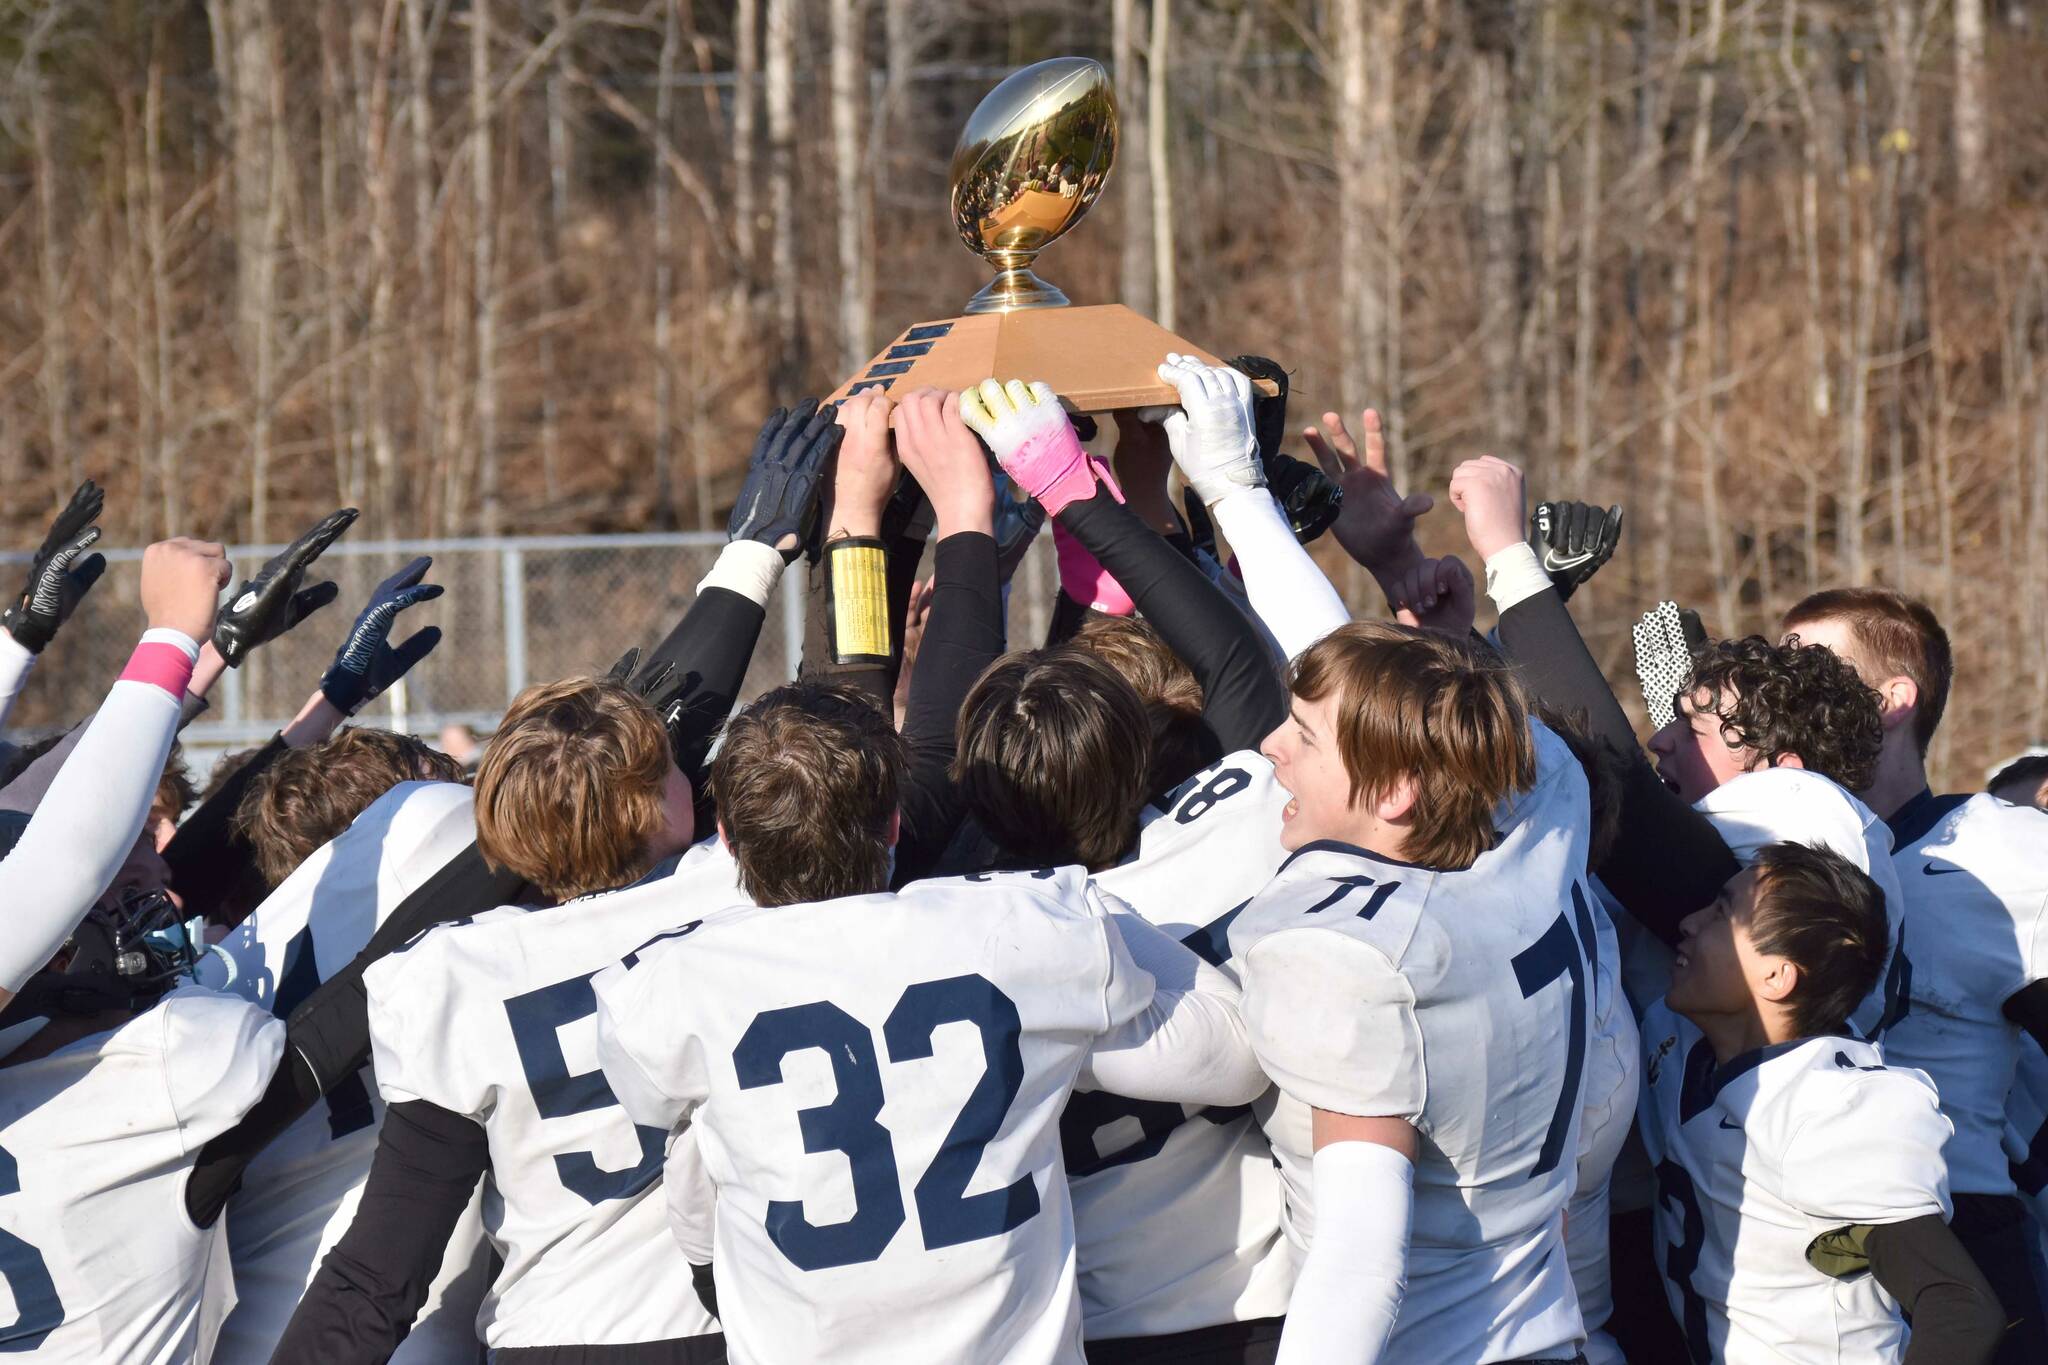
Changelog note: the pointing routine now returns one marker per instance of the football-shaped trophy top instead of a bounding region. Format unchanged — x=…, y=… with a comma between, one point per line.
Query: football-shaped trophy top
x=1034, y=155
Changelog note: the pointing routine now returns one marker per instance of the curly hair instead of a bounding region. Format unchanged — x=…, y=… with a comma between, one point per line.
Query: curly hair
x=1792, y=698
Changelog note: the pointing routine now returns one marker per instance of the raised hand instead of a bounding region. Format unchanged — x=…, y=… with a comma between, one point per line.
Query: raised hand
x=945, y=459
x=368, y=662
x=58, y=576
x=1032, y=439
x=1211, y=433
x=274, y=601
x=778, y=503
x=1488, y=491
x=1573, y=539
x=1376, y=525
x=1666, y=640
x=866, y=473
x=181, y=583
x=1436, y=594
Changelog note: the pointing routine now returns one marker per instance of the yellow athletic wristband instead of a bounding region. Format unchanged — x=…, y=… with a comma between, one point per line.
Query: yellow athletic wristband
x=859, y=567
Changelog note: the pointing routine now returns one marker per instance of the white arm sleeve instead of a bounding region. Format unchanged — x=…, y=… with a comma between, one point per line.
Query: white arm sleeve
x=15, y=662
x=1350, y=1287
x=1287, y=590
x=1189, y=1046
x=87, y=822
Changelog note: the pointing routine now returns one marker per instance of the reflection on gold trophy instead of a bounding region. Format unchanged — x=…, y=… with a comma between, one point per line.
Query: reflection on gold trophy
x=1034, y=155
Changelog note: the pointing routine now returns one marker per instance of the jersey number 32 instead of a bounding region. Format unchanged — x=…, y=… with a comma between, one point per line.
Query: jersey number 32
x=850, y=1124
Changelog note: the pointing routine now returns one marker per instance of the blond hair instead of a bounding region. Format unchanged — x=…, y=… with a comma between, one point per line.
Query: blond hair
x=569, y=793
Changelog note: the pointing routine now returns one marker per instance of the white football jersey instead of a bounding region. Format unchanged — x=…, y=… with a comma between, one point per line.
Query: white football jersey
x=97, y=1139
x=1975, y=877
x=300, y=1194
x=1613, y=1068
x=494, y=1019
x=1761, y=1156
x=1460, y=1002
x=1177, y=1207
x=2026, y=1130
x=875, y=1084
x=1791, y=805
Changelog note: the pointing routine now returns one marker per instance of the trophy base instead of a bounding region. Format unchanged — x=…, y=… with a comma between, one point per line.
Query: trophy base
x=1098, y=358
x=1013, y=289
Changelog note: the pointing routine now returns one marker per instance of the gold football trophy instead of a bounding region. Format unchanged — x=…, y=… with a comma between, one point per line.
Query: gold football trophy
x=1032, y=159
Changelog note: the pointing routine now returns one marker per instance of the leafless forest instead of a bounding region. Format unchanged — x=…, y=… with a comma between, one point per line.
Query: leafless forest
x=1772, y=273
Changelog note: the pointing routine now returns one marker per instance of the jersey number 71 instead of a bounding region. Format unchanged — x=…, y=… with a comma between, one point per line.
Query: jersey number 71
x=851, y=1123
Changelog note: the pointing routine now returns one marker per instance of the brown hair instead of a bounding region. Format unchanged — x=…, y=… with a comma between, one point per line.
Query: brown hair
x=174, y=790
x=1417, y=704
x=1792, y=699
x=1896, y=636
x=569, y=791
x=1047, y=758
x=1167, y=687
x=309, y=796
x=808, y=782
x=2029, y=771
x=1824, y=913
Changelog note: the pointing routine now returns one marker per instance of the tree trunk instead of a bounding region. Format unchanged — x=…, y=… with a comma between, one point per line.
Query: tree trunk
x=1585, y=271
x=557, y=95
x=53, y=375
x=664, y=279
x=1363, y=178
x=381, y=170
x=1158, y=123
x=854, y=179
x=781, y=92
x=746, y=98
x=483, y=263
x=1972, y=175
x=426, y=343
x=1134, y=169
x=170, y=486
x=1501, y=233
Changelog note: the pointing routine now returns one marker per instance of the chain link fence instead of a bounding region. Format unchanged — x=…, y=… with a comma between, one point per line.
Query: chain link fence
x=518, y=610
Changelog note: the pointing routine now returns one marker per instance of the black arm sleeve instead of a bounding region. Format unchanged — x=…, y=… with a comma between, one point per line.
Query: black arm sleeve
x=1667, y=860
x=709, y=649
x=1957, y=1319
x=1242, y=695
x=362, y=1302
x=208, y=859
x=328, y=1035
x=962, y=638
x=2028, y=1007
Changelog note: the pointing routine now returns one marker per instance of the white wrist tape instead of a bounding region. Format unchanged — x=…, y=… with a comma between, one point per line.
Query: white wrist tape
x=1514, y=575
x=748, y=568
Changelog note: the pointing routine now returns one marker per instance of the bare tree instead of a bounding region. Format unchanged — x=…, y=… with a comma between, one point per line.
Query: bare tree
x=746, y=99
x=1159, y=122
x=1134, y=169
x=1971, y=138
x=853, y=178
x=781, y=93
x=1501, y=228
x=484, y=261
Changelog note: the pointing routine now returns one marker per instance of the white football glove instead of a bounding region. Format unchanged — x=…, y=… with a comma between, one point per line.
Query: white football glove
x=1211, y=434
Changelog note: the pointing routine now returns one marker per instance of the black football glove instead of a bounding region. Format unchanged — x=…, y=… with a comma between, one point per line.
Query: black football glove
x=368, y=662
x=1573, y=539
x=779, y=500
x=1307, y=496
x=274, y=601
x=58, y=577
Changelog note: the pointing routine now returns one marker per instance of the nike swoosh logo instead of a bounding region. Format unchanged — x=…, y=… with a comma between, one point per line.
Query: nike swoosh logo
x=1931, y=870
x=1731, y=1127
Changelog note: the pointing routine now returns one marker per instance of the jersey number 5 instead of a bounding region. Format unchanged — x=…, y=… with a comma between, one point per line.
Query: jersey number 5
x=537, y=1018
x=37, y=1309
x=851, y=1124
